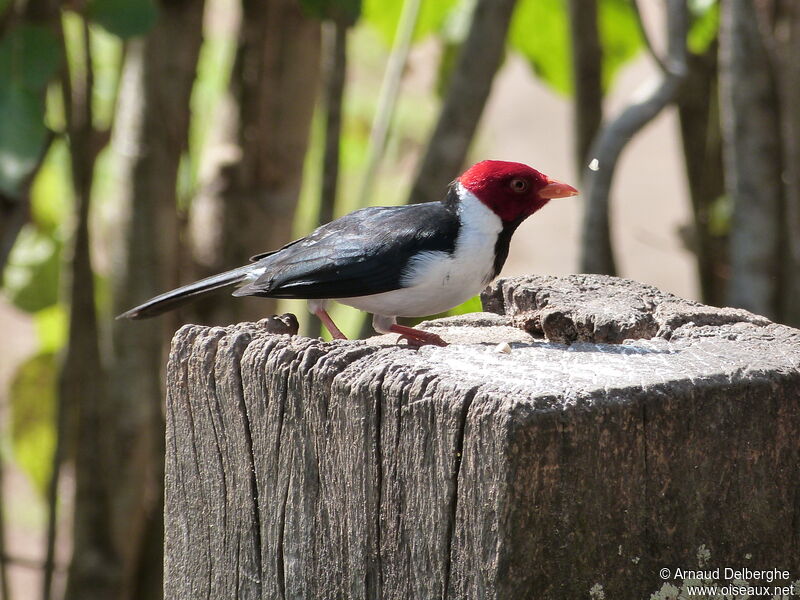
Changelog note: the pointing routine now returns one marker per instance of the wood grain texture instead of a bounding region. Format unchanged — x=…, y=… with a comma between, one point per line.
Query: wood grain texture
x=353, y=469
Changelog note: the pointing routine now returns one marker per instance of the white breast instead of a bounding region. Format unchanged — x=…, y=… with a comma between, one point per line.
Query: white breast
x=437, y=281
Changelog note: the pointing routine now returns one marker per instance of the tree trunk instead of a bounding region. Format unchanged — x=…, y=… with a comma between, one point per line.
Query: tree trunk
x=275, y=84
x=150, y=135
x=587, y=76
x=753, y=160
x=477, y=63
x=789, y=89
x=698, y=110
x=780, y=24
x=94, y=571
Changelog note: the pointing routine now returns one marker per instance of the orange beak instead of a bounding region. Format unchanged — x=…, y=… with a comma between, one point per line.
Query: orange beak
x=556, y=189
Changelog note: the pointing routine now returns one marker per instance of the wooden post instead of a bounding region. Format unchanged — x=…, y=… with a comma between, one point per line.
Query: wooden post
x=644, y=433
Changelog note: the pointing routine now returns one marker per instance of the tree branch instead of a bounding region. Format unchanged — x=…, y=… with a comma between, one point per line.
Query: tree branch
x=150, y=133
x=756, y=169
x=587, y=76
x=597, y=253
x=387, y=97
x=477, y=63
x=648, y=43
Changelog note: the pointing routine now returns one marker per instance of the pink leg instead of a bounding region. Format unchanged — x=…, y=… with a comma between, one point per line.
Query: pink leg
x=417, y=337
x=329, y=324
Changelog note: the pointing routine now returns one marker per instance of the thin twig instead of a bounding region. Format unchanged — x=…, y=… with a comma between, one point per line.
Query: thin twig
x=88, y=88
x=27, y=563
x=597, y=252
x=646, y=37
x=5, y=589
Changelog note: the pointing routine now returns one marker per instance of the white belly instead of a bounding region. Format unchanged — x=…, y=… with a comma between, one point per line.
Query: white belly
x=436, y=293
x=437, y=281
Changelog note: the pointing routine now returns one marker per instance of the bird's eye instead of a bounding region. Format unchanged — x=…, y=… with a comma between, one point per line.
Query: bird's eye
x=518, y=185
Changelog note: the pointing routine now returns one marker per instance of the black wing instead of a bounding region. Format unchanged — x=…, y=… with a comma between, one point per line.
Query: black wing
x=363, y=253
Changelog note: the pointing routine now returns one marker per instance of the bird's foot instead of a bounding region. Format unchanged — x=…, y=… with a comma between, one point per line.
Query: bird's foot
x=416, y=337
x=329, y=324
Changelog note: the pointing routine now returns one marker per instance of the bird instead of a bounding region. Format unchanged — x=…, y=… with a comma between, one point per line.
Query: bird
x=393, y=261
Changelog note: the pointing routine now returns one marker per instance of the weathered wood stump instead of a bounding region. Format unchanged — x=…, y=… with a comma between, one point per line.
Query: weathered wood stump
x=642, y=430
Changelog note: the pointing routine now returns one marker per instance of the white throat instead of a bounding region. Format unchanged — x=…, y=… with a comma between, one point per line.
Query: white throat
x=476, y=218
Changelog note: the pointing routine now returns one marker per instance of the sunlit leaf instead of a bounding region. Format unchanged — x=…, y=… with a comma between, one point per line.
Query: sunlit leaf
x=385, y=14
x=33, y=409
x=124, y=18
x=51, y=328
x=705, y=25
x=619, y=35
x=540, y=32
x=107, y=64
x=51, y=192
x=720, y=216
x=214, y=66
x=472, y=305
x=31, y=275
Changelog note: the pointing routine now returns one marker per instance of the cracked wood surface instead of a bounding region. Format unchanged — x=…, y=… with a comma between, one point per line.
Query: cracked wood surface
x=352, y=469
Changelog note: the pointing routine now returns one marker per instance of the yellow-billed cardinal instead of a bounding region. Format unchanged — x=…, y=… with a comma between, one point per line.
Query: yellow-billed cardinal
x=395, y=261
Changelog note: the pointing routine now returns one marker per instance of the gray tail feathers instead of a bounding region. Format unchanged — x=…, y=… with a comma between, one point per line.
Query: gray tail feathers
x=183, y=295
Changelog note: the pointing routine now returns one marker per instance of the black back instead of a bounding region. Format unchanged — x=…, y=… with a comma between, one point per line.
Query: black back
x=365, y=252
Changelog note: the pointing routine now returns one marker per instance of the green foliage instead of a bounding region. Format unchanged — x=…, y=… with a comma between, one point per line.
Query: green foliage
x=31, y=276
x=349, y=10
x=705, y=25
x=540, y=32
x=472, y=305
x=51, y=192
x=51, y=328
x=32, y=272
x=22, y=136
x=33, y=406
x=214, y=66
x=29, y=58
x=619, y=35
x=107, y=64
x=384, y=15
x=123, y=18
x=720, y=216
